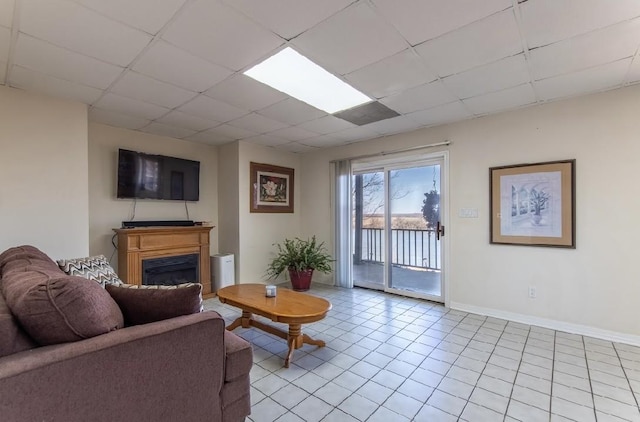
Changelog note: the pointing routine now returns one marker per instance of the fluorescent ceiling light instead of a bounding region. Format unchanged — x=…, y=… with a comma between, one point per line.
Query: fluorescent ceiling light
x=292, y=73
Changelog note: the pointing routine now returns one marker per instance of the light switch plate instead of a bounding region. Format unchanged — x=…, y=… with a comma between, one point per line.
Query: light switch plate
x=468, y=213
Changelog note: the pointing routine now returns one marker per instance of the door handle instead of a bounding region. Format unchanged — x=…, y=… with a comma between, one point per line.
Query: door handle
x=439, y=231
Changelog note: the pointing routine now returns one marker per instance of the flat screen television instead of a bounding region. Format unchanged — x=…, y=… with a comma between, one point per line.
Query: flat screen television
x=149, y=176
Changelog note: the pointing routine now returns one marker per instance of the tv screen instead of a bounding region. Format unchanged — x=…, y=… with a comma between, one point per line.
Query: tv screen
x=148, y=176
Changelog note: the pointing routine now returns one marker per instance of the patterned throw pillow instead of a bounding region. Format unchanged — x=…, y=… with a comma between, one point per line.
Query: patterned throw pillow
x=94, y=268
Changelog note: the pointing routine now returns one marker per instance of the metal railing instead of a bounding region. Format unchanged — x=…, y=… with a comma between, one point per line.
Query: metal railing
x=409, y=247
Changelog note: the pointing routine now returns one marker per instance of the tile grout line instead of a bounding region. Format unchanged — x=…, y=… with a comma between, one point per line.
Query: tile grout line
x=513, y=384
x=624, y=371
x=586, y=360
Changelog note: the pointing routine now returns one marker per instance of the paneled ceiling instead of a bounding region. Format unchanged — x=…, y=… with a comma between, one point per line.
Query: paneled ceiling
x=174, y=67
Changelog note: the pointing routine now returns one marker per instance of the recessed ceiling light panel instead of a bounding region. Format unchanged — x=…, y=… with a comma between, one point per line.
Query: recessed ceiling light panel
x=292, y=73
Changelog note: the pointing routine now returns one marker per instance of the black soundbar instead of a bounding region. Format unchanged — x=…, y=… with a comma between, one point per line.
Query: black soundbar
x=159, y=223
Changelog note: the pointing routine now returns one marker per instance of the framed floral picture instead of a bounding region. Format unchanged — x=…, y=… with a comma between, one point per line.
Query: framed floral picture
x=271, y=188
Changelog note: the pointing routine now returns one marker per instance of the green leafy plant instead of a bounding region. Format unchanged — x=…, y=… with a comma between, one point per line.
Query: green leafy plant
x=299, y=255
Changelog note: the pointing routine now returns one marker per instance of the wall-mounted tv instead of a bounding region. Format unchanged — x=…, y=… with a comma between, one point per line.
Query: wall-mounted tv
x=148, y=176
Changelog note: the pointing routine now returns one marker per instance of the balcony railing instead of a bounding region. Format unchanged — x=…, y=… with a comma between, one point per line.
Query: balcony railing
x=409, y=247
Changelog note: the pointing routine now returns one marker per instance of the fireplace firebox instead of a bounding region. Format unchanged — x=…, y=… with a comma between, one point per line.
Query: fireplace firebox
x=171, y=270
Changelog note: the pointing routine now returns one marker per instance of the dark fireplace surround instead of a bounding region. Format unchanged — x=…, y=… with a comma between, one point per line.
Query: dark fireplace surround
x=171, y=270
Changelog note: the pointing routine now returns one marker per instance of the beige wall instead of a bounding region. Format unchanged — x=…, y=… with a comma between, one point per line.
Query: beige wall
x=43, y=173
x=259, y=231
x=107, y=212
x=594, y=288
x=229, y=202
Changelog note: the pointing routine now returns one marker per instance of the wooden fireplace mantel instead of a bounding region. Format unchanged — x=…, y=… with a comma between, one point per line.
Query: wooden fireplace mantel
x=137, y=244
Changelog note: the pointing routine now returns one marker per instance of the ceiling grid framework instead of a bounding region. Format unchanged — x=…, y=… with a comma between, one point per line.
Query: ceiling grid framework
x=175, y=68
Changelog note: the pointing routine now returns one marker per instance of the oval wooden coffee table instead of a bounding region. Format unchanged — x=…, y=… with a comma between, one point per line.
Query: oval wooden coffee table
x=287, y=307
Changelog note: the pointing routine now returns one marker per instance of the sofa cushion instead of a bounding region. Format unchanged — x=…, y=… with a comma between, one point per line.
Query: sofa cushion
x=56, y=308
x=23, y=258
x=96, y=268
x=239, y=357
x=13, y=339
x=141, y=304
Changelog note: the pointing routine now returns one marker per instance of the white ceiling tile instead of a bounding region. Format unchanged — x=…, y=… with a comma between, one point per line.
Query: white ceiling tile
x=143, y=88
x=296, y=147
x=547, y=21
x=211, y=109
x=357, y=133
x=292, y=133
x=292, y=111
x=34, y=81
x=257, y=123
x=209, y=137
x=180, y=119
x=124, y=105
x=323, y=141
x=421, y=20
x=349, y=40
x=394, y=125
x=289, y=18
x=509, y=98
x=634, y=70
x=6, y=13
x=419, y=98
x=221, y=35
x=46, y=58
x=440, y=115
x=594, y=79
x=5, y=41
x=166, y=130
x=496, y=76
x=390, y=75
x=113, y=118
x=326, y=124
x=267, y=140
x=592, y=49
x=3, y=72
x=148, y=15
x=245, y=92
x=460, y=50
x=178, y=67
x=79, y=29
x=233, y=132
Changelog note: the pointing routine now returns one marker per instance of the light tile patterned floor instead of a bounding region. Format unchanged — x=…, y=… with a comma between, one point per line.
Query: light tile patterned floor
x=390, y=358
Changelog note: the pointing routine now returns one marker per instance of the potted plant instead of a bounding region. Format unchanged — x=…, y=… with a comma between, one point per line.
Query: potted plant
x=301, y=258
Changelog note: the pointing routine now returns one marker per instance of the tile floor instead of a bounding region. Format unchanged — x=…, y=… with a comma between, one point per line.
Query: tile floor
x=390, y=358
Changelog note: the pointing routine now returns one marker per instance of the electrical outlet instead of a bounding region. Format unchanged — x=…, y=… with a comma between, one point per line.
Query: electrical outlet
x=532, y=292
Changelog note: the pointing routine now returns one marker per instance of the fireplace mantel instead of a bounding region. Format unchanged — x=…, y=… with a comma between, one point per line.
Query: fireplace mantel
x=137, y=244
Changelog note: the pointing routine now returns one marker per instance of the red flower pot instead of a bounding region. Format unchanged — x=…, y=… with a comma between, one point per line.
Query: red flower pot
x=301, y=280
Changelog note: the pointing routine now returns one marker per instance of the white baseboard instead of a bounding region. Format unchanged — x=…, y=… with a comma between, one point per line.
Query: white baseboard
x=553, y=324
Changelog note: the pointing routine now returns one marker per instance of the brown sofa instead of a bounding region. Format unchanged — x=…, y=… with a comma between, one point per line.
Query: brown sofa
x=60, y=362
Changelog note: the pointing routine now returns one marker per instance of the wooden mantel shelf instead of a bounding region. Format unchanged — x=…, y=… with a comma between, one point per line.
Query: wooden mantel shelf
x=138, y=244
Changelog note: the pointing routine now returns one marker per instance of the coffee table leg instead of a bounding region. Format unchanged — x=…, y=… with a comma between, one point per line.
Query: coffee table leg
x=244, y=321
x=294, y=340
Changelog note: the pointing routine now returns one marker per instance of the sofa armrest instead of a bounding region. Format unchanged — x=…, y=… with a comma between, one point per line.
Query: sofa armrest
x=163, y=371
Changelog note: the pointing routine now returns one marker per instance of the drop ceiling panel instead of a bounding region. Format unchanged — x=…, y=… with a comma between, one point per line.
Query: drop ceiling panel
x=5, y=41
x=292, y=133
x=594, y=79
x=421, y=20
x=170, y=64
x=326, y=124
x=148, y=15
x=323, y=141
x=209, y=137
x=38, y=82
x=266, y=140
x=149, y=90
x=460, y=50
x=442, y=114
x=296, y=147
x=120, y=104
x=547, y=21
x=180, y=119
x=216, y=32
x=391, y=75
x=292, y=111
x=84, y=31
x=419, y=98
x=634, y=70
x=3, y=72
x=257, y=123
x=113, y=118
x=208, y=108
x=394, y=125
x=166, y=130
x=357, y=133
x=350, y=40
x=46, y=58
x=289, y=18
x=595, y=48
x=496, y=76
x=245, y=92
x=6, y=13
x=509, y=98
x=233, y=132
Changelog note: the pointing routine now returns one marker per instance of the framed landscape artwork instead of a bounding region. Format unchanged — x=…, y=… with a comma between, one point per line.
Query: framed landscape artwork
x=533, y=204
x=271, y=188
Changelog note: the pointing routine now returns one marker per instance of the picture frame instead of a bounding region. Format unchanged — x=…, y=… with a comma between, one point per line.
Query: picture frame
x=533, y=204
x=271, y=188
